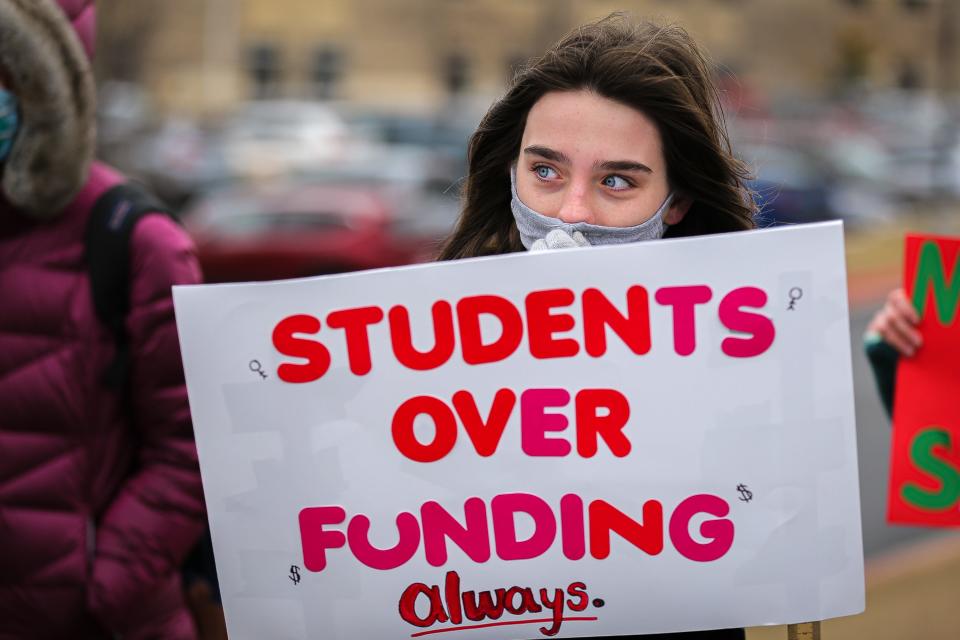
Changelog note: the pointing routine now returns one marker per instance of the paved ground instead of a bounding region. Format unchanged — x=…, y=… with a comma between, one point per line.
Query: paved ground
x=912, y=594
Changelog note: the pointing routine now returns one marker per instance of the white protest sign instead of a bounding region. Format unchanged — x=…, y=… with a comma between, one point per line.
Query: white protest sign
x=615, y=440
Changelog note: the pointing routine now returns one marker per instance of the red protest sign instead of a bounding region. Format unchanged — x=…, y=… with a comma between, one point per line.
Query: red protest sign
x=925, y=465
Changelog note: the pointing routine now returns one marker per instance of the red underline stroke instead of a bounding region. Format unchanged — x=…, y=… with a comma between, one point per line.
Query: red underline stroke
x=500, y=624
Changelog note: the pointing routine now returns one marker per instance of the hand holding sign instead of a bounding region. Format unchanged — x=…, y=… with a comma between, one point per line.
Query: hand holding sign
x=896, y=323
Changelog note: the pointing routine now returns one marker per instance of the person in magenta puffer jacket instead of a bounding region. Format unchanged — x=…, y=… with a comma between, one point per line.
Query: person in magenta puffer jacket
x=100, y=495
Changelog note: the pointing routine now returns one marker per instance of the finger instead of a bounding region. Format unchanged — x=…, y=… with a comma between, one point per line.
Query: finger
x=906, y=330
x=897, y=341
x=903, y=307
x=894, y=335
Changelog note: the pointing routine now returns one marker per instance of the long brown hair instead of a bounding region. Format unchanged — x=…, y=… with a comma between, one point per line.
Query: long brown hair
x=658, y=70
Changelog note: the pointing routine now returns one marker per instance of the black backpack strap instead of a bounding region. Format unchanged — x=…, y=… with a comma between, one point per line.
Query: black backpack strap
x=111, y=224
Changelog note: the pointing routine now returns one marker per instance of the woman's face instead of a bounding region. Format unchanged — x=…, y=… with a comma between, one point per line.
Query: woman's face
x=585, y=158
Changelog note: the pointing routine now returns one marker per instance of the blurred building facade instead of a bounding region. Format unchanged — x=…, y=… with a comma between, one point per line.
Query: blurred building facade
x=201, y=57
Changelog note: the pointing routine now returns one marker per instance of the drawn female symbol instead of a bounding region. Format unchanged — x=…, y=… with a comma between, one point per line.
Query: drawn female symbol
x=256, y=367
x=795, y=294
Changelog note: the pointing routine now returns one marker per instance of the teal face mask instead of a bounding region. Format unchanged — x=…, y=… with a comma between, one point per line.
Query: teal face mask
x=9, y=122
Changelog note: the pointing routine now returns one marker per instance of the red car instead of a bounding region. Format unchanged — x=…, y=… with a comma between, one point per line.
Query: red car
x=287, y=230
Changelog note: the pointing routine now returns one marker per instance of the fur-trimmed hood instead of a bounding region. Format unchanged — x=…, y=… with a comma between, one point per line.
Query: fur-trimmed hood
x=49, y=71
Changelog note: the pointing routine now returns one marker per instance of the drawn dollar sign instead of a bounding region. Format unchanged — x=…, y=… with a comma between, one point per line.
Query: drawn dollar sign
x=294, y=574
x=745, y=494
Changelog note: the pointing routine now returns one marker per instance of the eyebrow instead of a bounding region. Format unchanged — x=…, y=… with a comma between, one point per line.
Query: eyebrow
x=547, y=153
x=624, y=165
x=610, y=165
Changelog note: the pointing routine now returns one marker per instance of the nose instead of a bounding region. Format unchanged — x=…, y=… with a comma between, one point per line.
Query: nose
x=575, y=206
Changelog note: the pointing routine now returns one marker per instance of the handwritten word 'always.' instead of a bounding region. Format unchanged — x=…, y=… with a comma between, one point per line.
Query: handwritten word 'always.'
x=455, y=607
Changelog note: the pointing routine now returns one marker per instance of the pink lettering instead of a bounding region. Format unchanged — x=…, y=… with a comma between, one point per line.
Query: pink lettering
x=734, y=318
x=720, y=532
x=536, y=422
x=504, y=509
x=684, y=301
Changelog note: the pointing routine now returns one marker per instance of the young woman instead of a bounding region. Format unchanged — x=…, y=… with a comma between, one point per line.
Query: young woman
x=616, y=127
x=615, y=135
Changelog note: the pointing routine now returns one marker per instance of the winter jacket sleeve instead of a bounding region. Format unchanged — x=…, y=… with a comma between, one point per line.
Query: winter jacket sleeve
x=883, y=361
x=158, y=514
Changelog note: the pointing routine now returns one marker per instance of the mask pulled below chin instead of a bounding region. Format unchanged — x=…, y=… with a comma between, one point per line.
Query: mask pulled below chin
x=534, y=226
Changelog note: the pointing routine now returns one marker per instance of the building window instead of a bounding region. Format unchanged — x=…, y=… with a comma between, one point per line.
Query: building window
x=263, y=66
x=456, y=73
x=326, y=71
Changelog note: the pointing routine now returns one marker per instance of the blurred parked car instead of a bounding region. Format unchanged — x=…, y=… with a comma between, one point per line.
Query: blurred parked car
x=422, y=186
x=795, y=185
x=180, y=160
x=789, y=186
x=288, y=230
x=274, y=137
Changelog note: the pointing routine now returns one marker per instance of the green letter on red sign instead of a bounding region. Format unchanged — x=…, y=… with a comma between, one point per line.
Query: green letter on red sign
x=921, y=453
x=946, y=288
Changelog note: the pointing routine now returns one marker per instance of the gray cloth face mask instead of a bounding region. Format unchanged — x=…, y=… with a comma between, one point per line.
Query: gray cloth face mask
x=534, y=226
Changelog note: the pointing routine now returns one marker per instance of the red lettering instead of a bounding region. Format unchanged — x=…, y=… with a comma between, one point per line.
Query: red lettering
x=556, y=609
x=474, y=350
x=605, y=518
x=599, y=313
x=452, y=595
x=542, y=324
x=445, y=425
x=485, y=434
x=526, y=604
x=408, y=605
x=578, y=590
x=317, y=356
x=402, y=340
x=571, y=517
x=591, y=427
x=489, y=604
x=354, y=323
x=482, y=607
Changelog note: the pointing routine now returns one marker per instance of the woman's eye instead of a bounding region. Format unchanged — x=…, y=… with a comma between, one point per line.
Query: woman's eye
x=545, y=173
x=616, y=182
